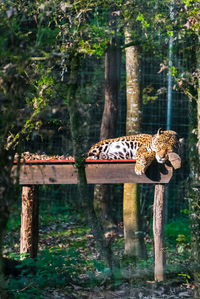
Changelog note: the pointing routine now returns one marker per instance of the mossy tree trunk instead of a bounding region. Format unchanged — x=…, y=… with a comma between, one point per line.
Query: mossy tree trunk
x=198, y=102
x=6, y=197
x=103, y=193
x=134, y=239
x=78, y=132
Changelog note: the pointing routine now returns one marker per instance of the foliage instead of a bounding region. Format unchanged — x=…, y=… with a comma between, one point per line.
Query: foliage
x=68, y=260
x=178, y=234
x=37, y=50
x=38, y=42
x=54, y=268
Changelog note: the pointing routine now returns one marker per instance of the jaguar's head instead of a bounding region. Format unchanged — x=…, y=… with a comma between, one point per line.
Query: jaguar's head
x=163, y=143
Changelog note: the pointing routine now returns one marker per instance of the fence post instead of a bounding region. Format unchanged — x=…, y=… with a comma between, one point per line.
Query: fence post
x=158, y=231
x=29, y=220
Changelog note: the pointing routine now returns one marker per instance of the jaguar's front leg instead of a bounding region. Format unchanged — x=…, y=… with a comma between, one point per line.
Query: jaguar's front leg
x=139, y=169
x=143, y=161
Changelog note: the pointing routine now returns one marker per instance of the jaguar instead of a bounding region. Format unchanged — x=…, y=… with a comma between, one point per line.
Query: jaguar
x=144, y=148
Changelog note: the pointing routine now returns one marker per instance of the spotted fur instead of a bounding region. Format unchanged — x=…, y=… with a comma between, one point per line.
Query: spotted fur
x=143, y=147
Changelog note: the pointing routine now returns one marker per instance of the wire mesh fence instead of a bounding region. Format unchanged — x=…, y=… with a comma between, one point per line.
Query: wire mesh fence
x=54, y=136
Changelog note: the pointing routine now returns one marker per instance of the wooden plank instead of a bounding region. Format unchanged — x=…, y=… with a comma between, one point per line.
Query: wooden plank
x=101, y=172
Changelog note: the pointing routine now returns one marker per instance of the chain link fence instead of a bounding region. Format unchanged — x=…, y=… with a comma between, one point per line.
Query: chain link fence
x=54, y=136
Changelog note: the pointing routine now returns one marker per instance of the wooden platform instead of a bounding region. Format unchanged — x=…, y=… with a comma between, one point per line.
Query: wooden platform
x=39, y=172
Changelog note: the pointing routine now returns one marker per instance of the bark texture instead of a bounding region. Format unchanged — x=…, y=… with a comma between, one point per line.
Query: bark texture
x=29, y=221
x=195, y=199
x=4, y=213
x=133, y=114
x=134, y=241
x=102, y=193
x=112, y=83
x=75, y=108
x=6, y=198
x=158, y=232
x=198, y=102
x=103, y=204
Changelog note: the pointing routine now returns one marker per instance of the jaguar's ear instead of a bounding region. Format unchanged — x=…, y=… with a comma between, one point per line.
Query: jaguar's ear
x=159, y=132
x=181, y=145
x=181, y=141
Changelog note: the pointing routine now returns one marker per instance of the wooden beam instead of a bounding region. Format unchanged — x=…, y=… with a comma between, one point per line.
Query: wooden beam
x=97, y=172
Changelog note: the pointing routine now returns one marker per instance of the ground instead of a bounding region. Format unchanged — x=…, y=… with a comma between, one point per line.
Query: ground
x=69, y=264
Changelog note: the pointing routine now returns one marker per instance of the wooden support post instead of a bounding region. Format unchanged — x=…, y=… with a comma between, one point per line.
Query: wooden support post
x=29, y=220
x=158, y=231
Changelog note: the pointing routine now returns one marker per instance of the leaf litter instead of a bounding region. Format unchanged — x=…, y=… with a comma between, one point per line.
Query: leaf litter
x=88, y=277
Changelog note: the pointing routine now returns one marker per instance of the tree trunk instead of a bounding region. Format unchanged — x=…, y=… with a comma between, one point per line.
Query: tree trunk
x=103, y=205
x=3, y=221
x=195, y=234
x=112, y=84
x=75, y=108
x=6, y=197
x=29, y=221
x=134, y=241
x=195, y=200
x=198, y=103
x=133, y=114
x=102, y=193
x=158, y=232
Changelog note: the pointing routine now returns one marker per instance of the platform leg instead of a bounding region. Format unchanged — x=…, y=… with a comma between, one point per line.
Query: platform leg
x=158, y=231
x=29, y=221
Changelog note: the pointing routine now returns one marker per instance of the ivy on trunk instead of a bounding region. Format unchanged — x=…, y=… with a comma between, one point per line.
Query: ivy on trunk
x=78, y=136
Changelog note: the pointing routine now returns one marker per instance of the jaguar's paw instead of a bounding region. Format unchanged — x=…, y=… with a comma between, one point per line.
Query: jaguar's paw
x=139, y=169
